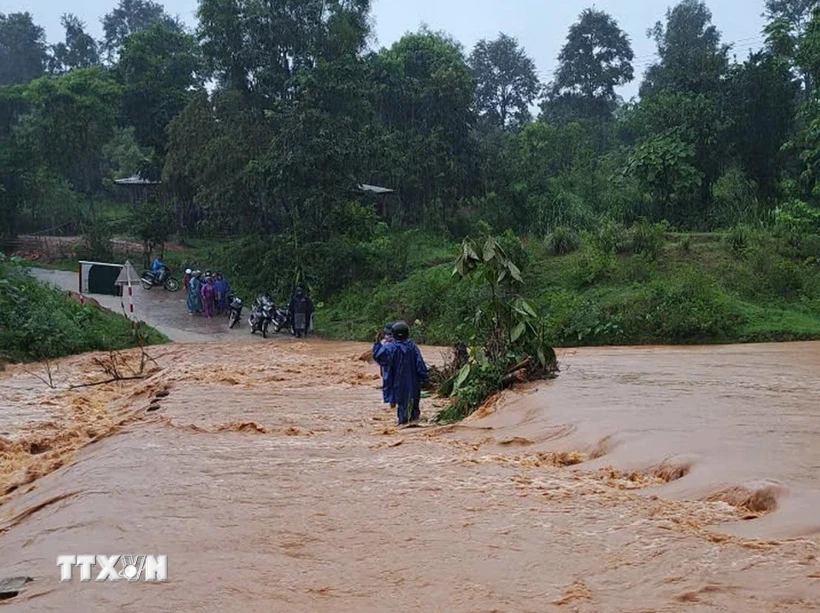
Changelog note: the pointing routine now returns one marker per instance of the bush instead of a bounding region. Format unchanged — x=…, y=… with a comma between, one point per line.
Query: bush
x=593, y=266
x=688, y=309
x=739, y=239
x=514, y=249
x=611, y=237
x=798, y=217
x=98, y=242
x=562, y=240
x=648, y=239
x=735, y=200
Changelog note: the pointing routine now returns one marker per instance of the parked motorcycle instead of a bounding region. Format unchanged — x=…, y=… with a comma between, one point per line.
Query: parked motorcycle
x=261, y=315
x=162, y=279
x=281, y=320
x=235, y=310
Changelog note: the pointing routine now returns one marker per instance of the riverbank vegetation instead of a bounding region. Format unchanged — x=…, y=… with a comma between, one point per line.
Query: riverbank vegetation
x=38, y=322
x=690, y=213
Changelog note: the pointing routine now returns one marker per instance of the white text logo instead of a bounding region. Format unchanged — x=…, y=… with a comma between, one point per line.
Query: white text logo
x=115, y=568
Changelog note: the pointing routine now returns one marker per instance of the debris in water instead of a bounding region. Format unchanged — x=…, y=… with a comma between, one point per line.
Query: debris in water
x=576, y=591
x=154, y=407
x=11, y=586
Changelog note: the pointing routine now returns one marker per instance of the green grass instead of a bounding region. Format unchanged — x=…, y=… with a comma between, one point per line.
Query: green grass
x=704, y=293
x=70, y=265
x=697, y=289
x=39, y=322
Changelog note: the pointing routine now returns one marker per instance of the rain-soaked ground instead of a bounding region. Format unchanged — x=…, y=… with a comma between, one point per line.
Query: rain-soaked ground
x=164, y=310
x=640, y=480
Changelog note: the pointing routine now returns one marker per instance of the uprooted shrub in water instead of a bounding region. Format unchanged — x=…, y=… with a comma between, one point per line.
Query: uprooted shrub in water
x=509, y=338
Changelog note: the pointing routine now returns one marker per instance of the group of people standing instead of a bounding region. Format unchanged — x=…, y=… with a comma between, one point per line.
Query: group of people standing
x=404, y=372
x=207, y=294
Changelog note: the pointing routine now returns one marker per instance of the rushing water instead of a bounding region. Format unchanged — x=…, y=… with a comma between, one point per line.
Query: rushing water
x=273, y=479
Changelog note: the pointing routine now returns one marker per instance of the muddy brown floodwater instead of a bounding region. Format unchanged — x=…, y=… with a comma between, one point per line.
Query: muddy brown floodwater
x=273, y=479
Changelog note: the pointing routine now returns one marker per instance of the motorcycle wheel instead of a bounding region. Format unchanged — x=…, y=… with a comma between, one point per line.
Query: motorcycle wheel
x=277, y=327
x=147, y=281
x=232, y=321
x=265, y=330
x=171, y=284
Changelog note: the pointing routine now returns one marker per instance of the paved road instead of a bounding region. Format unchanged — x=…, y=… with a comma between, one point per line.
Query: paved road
x=165, y=311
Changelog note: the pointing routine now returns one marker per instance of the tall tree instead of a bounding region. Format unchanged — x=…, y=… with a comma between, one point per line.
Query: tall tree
x=807, y=54
x=797, y=13
x=258, y=46
x=506, y=82
x=697, y=120
x=160, y=69
x=23, y=51
x=129, y=17
x=16, y=160
x=73, y=117
x=423, y=96
x=762, y=103
x=79, y=49
x=692, y=57
x=596, y=59
x=278, y=144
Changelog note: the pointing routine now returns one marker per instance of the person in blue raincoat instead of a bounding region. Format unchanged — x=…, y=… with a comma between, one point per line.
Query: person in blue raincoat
x=158, y=269
x=407, y=372
x=388, y=338
x=222, y=290
x=194, y=289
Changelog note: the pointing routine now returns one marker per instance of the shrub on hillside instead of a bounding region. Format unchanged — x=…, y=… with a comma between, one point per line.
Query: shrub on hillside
x=593, y=266
x=39, y=322
x=648, y=239
x=687, y=309
x=612, y=237
x=735, y=200
x=562, y=240
x=739, y=239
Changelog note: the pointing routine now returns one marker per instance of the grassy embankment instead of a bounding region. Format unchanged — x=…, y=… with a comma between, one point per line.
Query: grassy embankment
x=697, y=289
x=40, y=322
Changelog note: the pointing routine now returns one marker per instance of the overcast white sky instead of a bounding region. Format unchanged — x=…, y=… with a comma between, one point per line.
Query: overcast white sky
x=540, y=25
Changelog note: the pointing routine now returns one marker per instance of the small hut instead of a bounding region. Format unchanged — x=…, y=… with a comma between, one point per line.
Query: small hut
x=381, y=194
x=138, y=188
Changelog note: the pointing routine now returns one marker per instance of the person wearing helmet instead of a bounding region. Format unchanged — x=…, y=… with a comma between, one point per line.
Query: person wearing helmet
x=159, y=270
x=194, y=289
x=186, y=280
x=407, y=371
x=300, y=310
x=387, y=333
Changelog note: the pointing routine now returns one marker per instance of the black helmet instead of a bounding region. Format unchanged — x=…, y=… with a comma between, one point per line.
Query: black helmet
x=401, y=331
x=388, y=328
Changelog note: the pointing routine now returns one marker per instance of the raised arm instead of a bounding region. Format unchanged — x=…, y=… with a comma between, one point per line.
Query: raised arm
x=381, y=354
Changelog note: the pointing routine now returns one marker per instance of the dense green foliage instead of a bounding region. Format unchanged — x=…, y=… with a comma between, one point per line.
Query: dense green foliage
x=39, y=322
x=269, y=163
x=622, y=286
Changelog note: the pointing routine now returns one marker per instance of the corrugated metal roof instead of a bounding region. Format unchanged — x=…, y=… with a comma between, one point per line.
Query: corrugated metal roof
x=135, y=180
x=375, y=189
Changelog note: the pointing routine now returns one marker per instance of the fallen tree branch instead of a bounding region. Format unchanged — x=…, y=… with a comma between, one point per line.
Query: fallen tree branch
x=74, y=387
